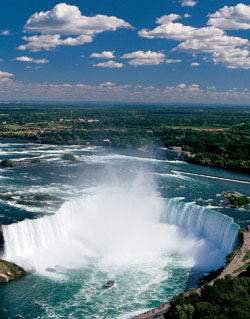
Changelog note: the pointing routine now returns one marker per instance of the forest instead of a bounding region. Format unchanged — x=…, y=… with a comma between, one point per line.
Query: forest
x=227, y=298
x=213, y=136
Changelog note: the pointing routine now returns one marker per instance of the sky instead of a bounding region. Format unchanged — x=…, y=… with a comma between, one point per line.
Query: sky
x=166, y=51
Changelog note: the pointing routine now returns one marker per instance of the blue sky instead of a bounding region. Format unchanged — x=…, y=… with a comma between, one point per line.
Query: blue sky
x=135, y=51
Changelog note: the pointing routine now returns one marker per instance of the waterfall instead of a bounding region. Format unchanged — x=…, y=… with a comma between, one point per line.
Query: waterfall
x=203, y=221
x=120, y=227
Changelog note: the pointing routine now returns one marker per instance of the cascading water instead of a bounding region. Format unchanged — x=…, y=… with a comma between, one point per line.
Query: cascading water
x=203, y=221
x=121, y=227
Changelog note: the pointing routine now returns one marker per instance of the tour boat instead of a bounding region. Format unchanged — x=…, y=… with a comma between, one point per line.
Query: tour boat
x=109, y=284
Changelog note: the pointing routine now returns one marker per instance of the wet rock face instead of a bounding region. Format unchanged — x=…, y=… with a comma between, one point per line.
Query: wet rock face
x=10, y=271
x=1, y=240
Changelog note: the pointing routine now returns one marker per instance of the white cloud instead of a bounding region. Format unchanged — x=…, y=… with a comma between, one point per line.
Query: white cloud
x=82, y=86
x=180, y=32
x=144, y=58
x=211, y=87
x=103, y=55
x=195, y=64
x=231, y=18
x=151, y=88
x=5, y=74
x=173, y=61
x=31, y=60
x=182, y=86
x=5, y=32
x=232, y=51
x=65, y=25
x=168, y=18
x=188, y=3
x=107, y=84
x=51, y=41
x=125, y=86
x=109, y=91
x=34, y=67
x=186, y=15
x=193, y=88
x=109, y=64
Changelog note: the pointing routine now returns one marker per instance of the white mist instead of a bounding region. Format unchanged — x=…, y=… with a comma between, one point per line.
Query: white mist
x=112, y=226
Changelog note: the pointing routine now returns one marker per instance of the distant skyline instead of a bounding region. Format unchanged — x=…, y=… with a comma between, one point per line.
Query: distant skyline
x=171, y=51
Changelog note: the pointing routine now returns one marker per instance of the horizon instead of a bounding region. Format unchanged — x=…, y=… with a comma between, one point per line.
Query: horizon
x=120, y=104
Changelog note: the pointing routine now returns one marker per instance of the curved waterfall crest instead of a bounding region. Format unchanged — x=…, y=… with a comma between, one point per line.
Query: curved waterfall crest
x=203, y=221
x=80, y=227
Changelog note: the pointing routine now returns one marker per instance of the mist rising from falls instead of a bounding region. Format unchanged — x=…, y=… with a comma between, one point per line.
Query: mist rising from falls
x=121, y=227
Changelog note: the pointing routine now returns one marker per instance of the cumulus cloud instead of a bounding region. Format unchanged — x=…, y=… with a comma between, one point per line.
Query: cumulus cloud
x=168, y=18
x=31, y=60
x=109, y=64
x=5, y=74
x=51, y=41
x=231, y=18
x=65, y=25
x=188, y=3
x=144, y=58
x=195, y=64
x=229, y=50
x=180, y=32
x=103, y=55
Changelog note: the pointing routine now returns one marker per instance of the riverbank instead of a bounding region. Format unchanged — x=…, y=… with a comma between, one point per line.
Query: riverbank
x=238, y=265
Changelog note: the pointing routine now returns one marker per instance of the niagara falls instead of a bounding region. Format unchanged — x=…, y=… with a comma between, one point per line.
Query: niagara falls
x=112, y=216
x=124, y=159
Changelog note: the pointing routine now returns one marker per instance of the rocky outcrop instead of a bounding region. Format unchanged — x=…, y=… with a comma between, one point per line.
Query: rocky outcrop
x=173, y=153
x=10, y=271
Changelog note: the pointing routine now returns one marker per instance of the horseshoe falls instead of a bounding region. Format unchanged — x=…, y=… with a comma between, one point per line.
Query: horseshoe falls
x=119, y=219
x=120, y=227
